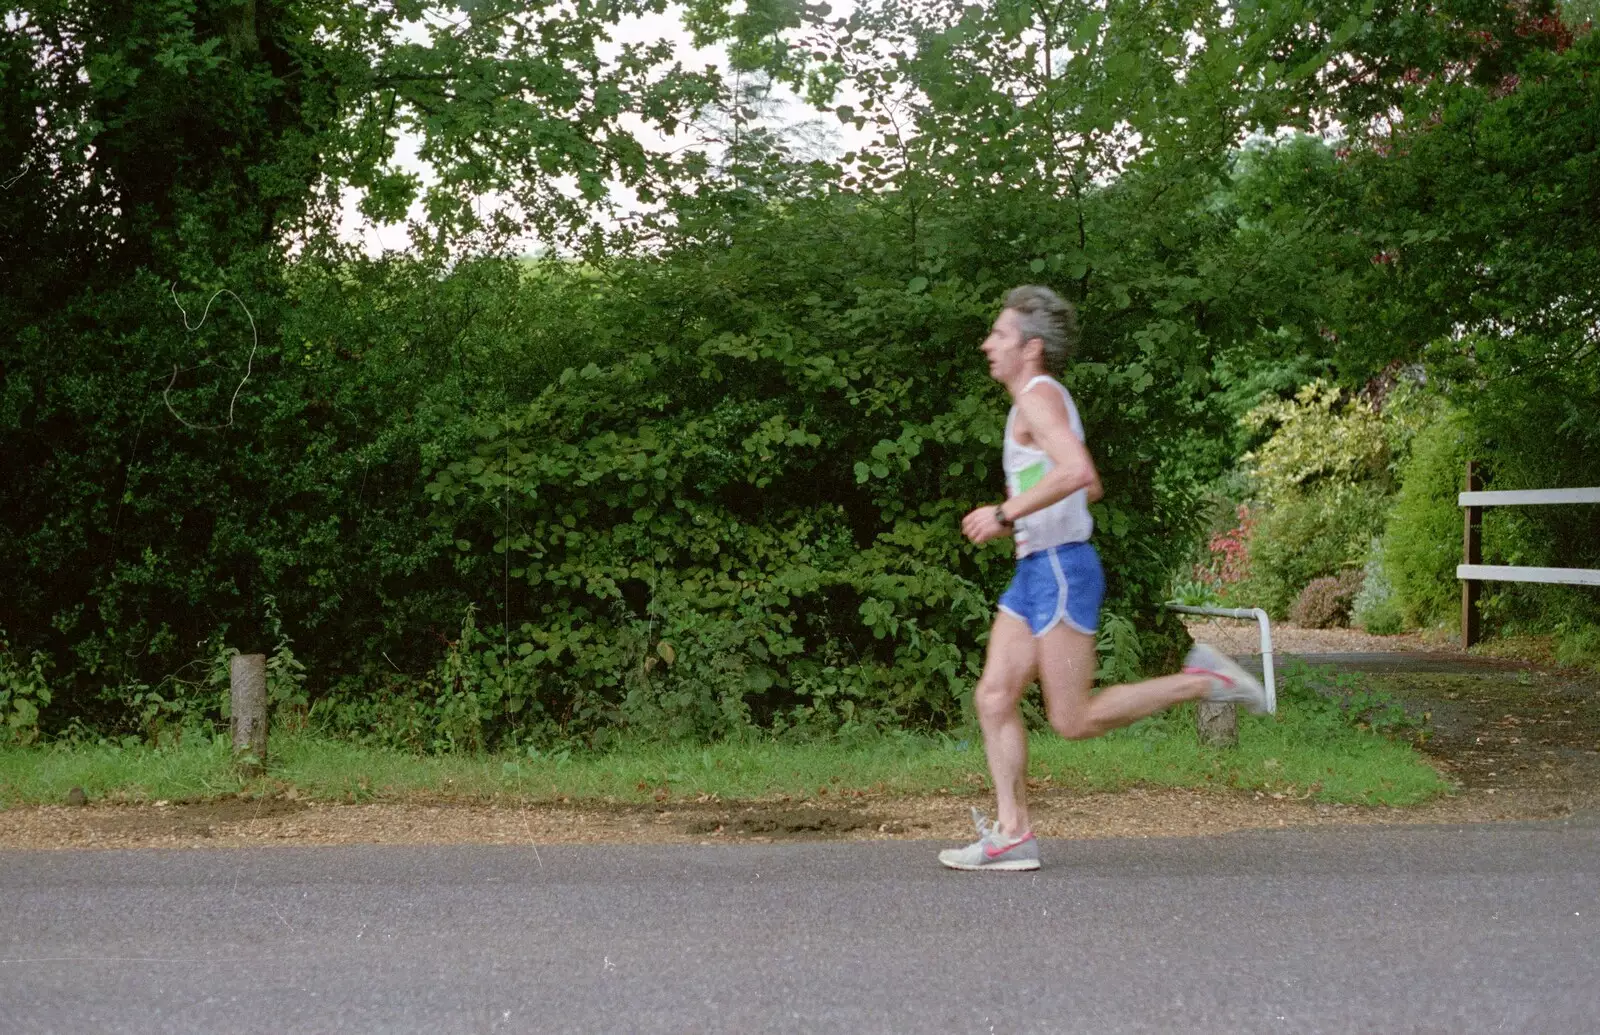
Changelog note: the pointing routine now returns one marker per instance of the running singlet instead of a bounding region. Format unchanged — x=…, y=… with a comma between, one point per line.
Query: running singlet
x=1065, y=521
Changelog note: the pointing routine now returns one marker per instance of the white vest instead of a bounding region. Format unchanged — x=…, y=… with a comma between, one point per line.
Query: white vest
x=1064, y=521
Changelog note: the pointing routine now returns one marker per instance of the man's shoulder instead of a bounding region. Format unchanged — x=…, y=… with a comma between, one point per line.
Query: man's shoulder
x=1053, y=393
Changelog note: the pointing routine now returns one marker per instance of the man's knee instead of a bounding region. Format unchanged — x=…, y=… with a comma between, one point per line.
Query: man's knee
x=1075, y=726
x=993, y=699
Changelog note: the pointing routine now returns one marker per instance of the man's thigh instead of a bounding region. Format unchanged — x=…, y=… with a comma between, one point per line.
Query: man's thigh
x=1067, y=663
x=1012, y=661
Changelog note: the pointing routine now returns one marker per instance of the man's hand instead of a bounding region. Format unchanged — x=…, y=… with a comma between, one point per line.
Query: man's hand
x=983, y=524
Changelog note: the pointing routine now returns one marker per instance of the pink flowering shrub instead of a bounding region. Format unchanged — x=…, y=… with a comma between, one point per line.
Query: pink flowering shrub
x=1227, y=560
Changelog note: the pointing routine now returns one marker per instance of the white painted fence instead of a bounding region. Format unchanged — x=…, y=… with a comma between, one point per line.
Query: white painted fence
x=1472, y=570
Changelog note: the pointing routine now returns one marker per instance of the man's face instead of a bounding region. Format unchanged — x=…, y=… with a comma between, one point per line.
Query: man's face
x=1004, y=347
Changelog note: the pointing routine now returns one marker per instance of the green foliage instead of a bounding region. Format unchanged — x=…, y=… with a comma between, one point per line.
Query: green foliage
x=713, y=482
x=184, y=134
x=24, y=692
x=1120, y=653
x=1307, y=536
x=1195, y=593
x=1422, y=540
x=1480, y=206
x=1324, y=476
x=1457, y=231
x=770, y=485
x=1375, y=608
x=1578, y=644
x=1322, y=696
x=1319, y=437
x=286, y=676
x=132, y=535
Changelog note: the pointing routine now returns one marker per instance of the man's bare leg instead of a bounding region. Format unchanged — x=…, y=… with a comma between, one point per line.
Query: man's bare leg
x=1066, y=675
x=1008, y=668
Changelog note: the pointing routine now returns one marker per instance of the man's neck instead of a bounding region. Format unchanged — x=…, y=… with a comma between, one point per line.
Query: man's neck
x=1019, y=384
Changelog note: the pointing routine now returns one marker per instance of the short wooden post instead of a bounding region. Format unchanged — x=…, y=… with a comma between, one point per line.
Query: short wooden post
x=1471, y=553
x=1217, y=723
x=248, y=685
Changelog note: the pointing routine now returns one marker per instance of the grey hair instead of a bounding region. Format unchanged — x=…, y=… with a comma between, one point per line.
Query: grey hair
x=1043, y=314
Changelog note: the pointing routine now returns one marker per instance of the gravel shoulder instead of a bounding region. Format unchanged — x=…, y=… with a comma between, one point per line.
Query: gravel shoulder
x=1133, y=813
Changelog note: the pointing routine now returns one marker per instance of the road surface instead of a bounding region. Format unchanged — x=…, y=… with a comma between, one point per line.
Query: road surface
x=1394, y=930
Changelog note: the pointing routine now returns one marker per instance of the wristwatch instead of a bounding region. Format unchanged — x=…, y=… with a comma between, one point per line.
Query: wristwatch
x=1000, y=516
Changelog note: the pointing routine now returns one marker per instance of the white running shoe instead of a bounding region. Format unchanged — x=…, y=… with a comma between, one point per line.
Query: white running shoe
x=993, y=852
x=1229, y=682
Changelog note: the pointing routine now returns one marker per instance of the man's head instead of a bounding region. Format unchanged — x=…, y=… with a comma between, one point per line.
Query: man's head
x=1035, y=326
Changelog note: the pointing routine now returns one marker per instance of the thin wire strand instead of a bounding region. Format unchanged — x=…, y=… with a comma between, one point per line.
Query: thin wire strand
x=20, y=175
x=249, y=366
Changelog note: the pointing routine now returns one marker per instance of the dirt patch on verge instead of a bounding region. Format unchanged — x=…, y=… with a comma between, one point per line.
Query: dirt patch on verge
x=1499, y=732
x=1135, y=813
x=183, y=820
x=780, y=822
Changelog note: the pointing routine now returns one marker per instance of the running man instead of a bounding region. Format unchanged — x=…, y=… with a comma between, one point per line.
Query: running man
x=1045, y=630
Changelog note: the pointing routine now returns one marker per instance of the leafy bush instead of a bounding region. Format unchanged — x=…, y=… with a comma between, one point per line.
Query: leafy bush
x=1121, y=656
x=1305, y=536
x=24, y=691
x=1195, y=593
x=1374, y=608
x=1538, y=430
x=1321, y=478
x=1422, y=540
x=738, y=505
x=1326, y=602
x=131, y=536
x=1318, y=437
x=1227, y=555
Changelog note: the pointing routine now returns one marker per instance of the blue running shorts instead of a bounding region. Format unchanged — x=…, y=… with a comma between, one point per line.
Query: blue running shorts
x=1061, y=584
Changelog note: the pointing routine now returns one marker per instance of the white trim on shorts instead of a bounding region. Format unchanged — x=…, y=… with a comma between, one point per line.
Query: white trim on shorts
x=1063, y=588
x=1007, y=611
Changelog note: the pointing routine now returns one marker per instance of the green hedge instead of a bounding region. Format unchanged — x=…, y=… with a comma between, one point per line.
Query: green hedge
x=513, y=501
x=1422, y=540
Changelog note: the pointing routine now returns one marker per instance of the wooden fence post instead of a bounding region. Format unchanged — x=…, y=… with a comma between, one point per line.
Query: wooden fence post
x=248, y=684
x=1471, y=553
x=1217, y=723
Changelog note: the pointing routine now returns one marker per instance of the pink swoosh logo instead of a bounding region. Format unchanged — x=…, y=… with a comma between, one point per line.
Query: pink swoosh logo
x=994, y=853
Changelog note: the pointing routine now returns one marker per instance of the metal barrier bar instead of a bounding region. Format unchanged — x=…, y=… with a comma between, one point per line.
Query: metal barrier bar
x=1269, y=679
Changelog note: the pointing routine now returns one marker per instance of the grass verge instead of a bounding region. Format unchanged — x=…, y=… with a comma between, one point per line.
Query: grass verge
x=1311, y=749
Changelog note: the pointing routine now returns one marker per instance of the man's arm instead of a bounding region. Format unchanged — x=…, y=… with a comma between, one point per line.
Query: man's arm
x=1051, y=428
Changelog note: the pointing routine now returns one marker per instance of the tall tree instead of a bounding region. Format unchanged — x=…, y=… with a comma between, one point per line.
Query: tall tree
x=174, y=134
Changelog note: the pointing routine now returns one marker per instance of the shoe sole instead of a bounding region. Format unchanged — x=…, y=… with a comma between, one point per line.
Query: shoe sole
x=1008, y=865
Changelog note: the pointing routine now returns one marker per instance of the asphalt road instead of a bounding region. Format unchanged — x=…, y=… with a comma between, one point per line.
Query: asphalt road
x=1400, y=930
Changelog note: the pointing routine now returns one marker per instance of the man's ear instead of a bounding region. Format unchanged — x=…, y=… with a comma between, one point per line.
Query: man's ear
x=1034, y=347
